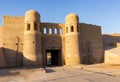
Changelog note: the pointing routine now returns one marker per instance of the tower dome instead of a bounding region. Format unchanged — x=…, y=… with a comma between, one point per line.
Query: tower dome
x=32, y=15
x=73, y=18
x=31, y=11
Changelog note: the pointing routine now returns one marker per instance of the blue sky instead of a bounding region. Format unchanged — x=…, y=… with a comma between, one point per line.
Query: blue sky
x=105, y=13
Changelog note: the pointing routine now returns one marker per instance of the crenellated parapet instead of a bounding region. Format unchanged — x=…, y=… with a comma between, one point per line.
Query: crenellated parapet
x=12, y=21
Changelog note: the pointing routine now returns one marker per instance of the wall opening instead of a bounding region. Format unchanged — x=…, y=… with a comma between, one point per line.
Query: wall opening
x=53, y=57
x=28, y=26
x=44, y=30
x=77, y=28
x=50, y=30
x=55, y=31
x=72, y=29
x=35, y=26
x=60, y=31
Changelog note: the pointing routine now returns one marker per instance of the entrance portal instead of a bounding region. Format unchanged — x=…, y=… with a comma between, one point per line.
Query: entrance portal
x=53, y=57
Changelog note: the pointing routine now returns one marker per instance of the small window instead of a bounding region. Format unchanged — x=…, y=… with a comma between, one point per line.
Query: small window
x=77, y=29
x=66, y=29
x=60, y=31
x=28, y=26
x=72, y=29
x=35, y=26
x=45, y=30
x=55, y=31
x=50, y=30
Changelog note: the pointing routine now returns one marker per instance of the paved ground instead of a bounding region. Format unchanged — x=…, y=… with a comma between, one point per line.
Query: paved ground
x=92, y=73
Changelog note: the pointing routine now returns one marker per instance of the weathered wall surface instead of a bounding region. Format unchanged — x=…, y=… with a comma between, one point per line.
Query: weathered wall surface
x=2, y=58
x=12, y=39
x=0, y=36
x=111, y=44
x=112, y=56
x=110, y=41
x=54, y=40
x=91, y=43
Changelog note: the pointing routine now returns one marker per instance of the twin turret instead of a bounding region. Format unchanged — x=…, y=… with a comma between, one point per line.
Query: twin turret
x=72, y=50
x=32, y=49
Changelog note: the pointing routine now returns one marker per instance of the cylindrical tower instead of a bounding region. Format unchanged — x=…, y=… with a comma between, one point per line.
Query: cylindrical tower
x=32, y=49
x=72, y=51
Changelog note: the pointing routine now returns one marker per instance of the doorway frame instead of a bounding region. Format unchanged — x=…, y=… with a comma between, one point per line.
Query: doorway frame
x=60, y=58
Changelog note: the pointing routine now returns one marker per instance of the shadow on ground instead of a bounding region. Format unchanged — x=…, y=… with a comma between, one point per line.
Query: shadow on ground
x=8, y=73
x=48, y=70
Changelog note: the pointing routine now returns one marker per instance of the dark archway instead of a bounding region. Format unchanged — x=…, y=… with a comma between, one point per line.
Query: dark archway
x=53, y=57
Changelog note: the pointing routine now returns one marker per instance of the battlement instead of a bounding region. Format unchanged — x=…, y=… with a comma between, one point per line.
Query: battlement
x=8, y=16
x=90, y=25
x=12, y=20
x=114, y=34
x=51, y=23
